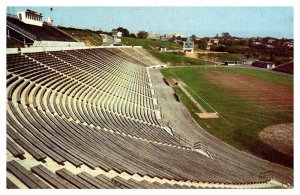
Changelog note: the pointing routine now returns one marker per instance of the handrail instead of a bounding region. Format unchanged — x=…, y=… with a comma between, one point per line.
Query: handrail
x=178, y=136
x=267, y=175
x=284, y=179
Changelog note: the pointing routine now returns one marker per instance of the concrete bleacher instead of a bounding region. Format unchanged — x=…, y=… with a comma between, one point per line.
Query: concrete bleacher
x=93, y=109
x=37, y=33
x=287, y=67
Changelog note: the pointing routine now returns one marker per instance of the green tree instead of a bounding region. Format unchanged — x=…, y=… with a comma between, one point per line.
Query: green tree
x=173, y=38
x=193, y=37
x=142, y=35
x=226, y=35
x=125, y=32
x=132, y=35
x=202, y=44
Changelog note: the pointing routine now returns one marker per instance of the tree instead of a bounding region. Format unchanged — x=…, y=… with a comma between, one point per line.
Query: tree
x=173, y=38
x=226, y=35
x=125, y=32
x=142, y=35
x=132, y=35
x=179, y=38
x=193, y=37
x=202, y=44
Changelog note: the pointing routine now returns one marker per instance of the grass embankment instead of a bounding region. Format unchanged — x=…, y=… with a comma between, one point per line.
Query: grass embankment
x=89, y=37
x=174, y=58
x=221, y=57
x=243, y=120
x=150, y=44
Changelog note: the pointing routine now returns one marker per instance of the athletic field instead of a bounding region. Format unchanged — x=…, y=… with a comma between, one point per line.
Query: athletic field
x=247, y=100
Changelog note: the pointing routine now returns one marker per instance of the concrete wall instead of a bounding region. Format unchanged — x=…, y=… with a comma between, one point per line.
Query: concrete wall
x=43, y=49
x=57, y=44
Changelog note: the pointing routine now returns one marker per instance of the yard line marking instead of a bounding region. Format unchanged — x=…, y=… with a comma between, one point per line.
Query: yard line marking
x=210, y=106
x=176, y=76
x=241, y=118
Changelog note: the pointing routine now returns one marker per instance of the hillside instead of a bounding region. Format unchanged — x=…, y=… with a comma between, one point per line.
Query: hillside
x=173, y=56
x=89, y=37
x=150, y=44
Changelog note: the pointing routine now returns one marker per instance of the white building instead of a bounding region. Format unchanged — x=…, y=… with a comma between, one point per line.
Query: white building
x=264, y=64
x=213, y=41
x=153, y=35
x=31, y=17
x=104, y=38
x=119, y=34
x=230, y=63
x=163, y=38
x=289, y=44
x=256, y=43
x=117, y=37
x=271, y=41
x=169, y=36
x=162, y=49
x=188, y=45
x=179, y=35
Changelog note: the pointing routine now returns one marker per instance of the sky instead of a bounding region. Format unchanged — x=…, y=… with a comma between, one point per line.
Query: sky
x=202, y=21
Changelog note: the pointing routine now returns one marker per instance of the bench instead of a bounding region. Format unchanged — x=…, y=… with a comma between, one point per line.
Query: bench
x=52, y=178
x=25, y=176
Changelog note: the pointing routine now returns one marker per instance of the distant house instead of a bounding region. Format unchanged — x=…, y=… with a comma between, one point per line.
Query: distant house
x=230, y=63
x=256, y=43
x=168, y=36
x=163, y=38
x=270, y=46
x=264, y=64
x=271, y=41
x=213, y=42
x=119, y=34
x=153, y=35
x=289, y=44
x=179, y=35
x=104, y=38
x=162, y=49
x=246, y=61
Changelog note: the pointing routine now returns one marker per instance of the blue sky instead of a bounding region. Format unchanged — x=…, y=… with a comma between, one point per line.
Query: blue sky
x=201, y=21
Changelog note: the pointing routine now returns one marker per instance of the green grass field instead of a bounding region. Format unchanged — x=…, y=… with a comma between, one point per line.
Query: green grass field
x=242, y=120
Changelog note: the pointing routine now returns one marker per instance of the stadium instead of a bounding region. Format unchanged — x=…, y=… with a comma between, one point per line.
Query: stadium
x=113, y=116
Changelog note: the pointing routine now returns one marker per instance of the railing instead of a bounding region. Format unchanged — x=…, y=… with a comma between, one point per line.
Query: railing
x=20, y=41
x=177, y=136
x=261, y=176
x=284, y=179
